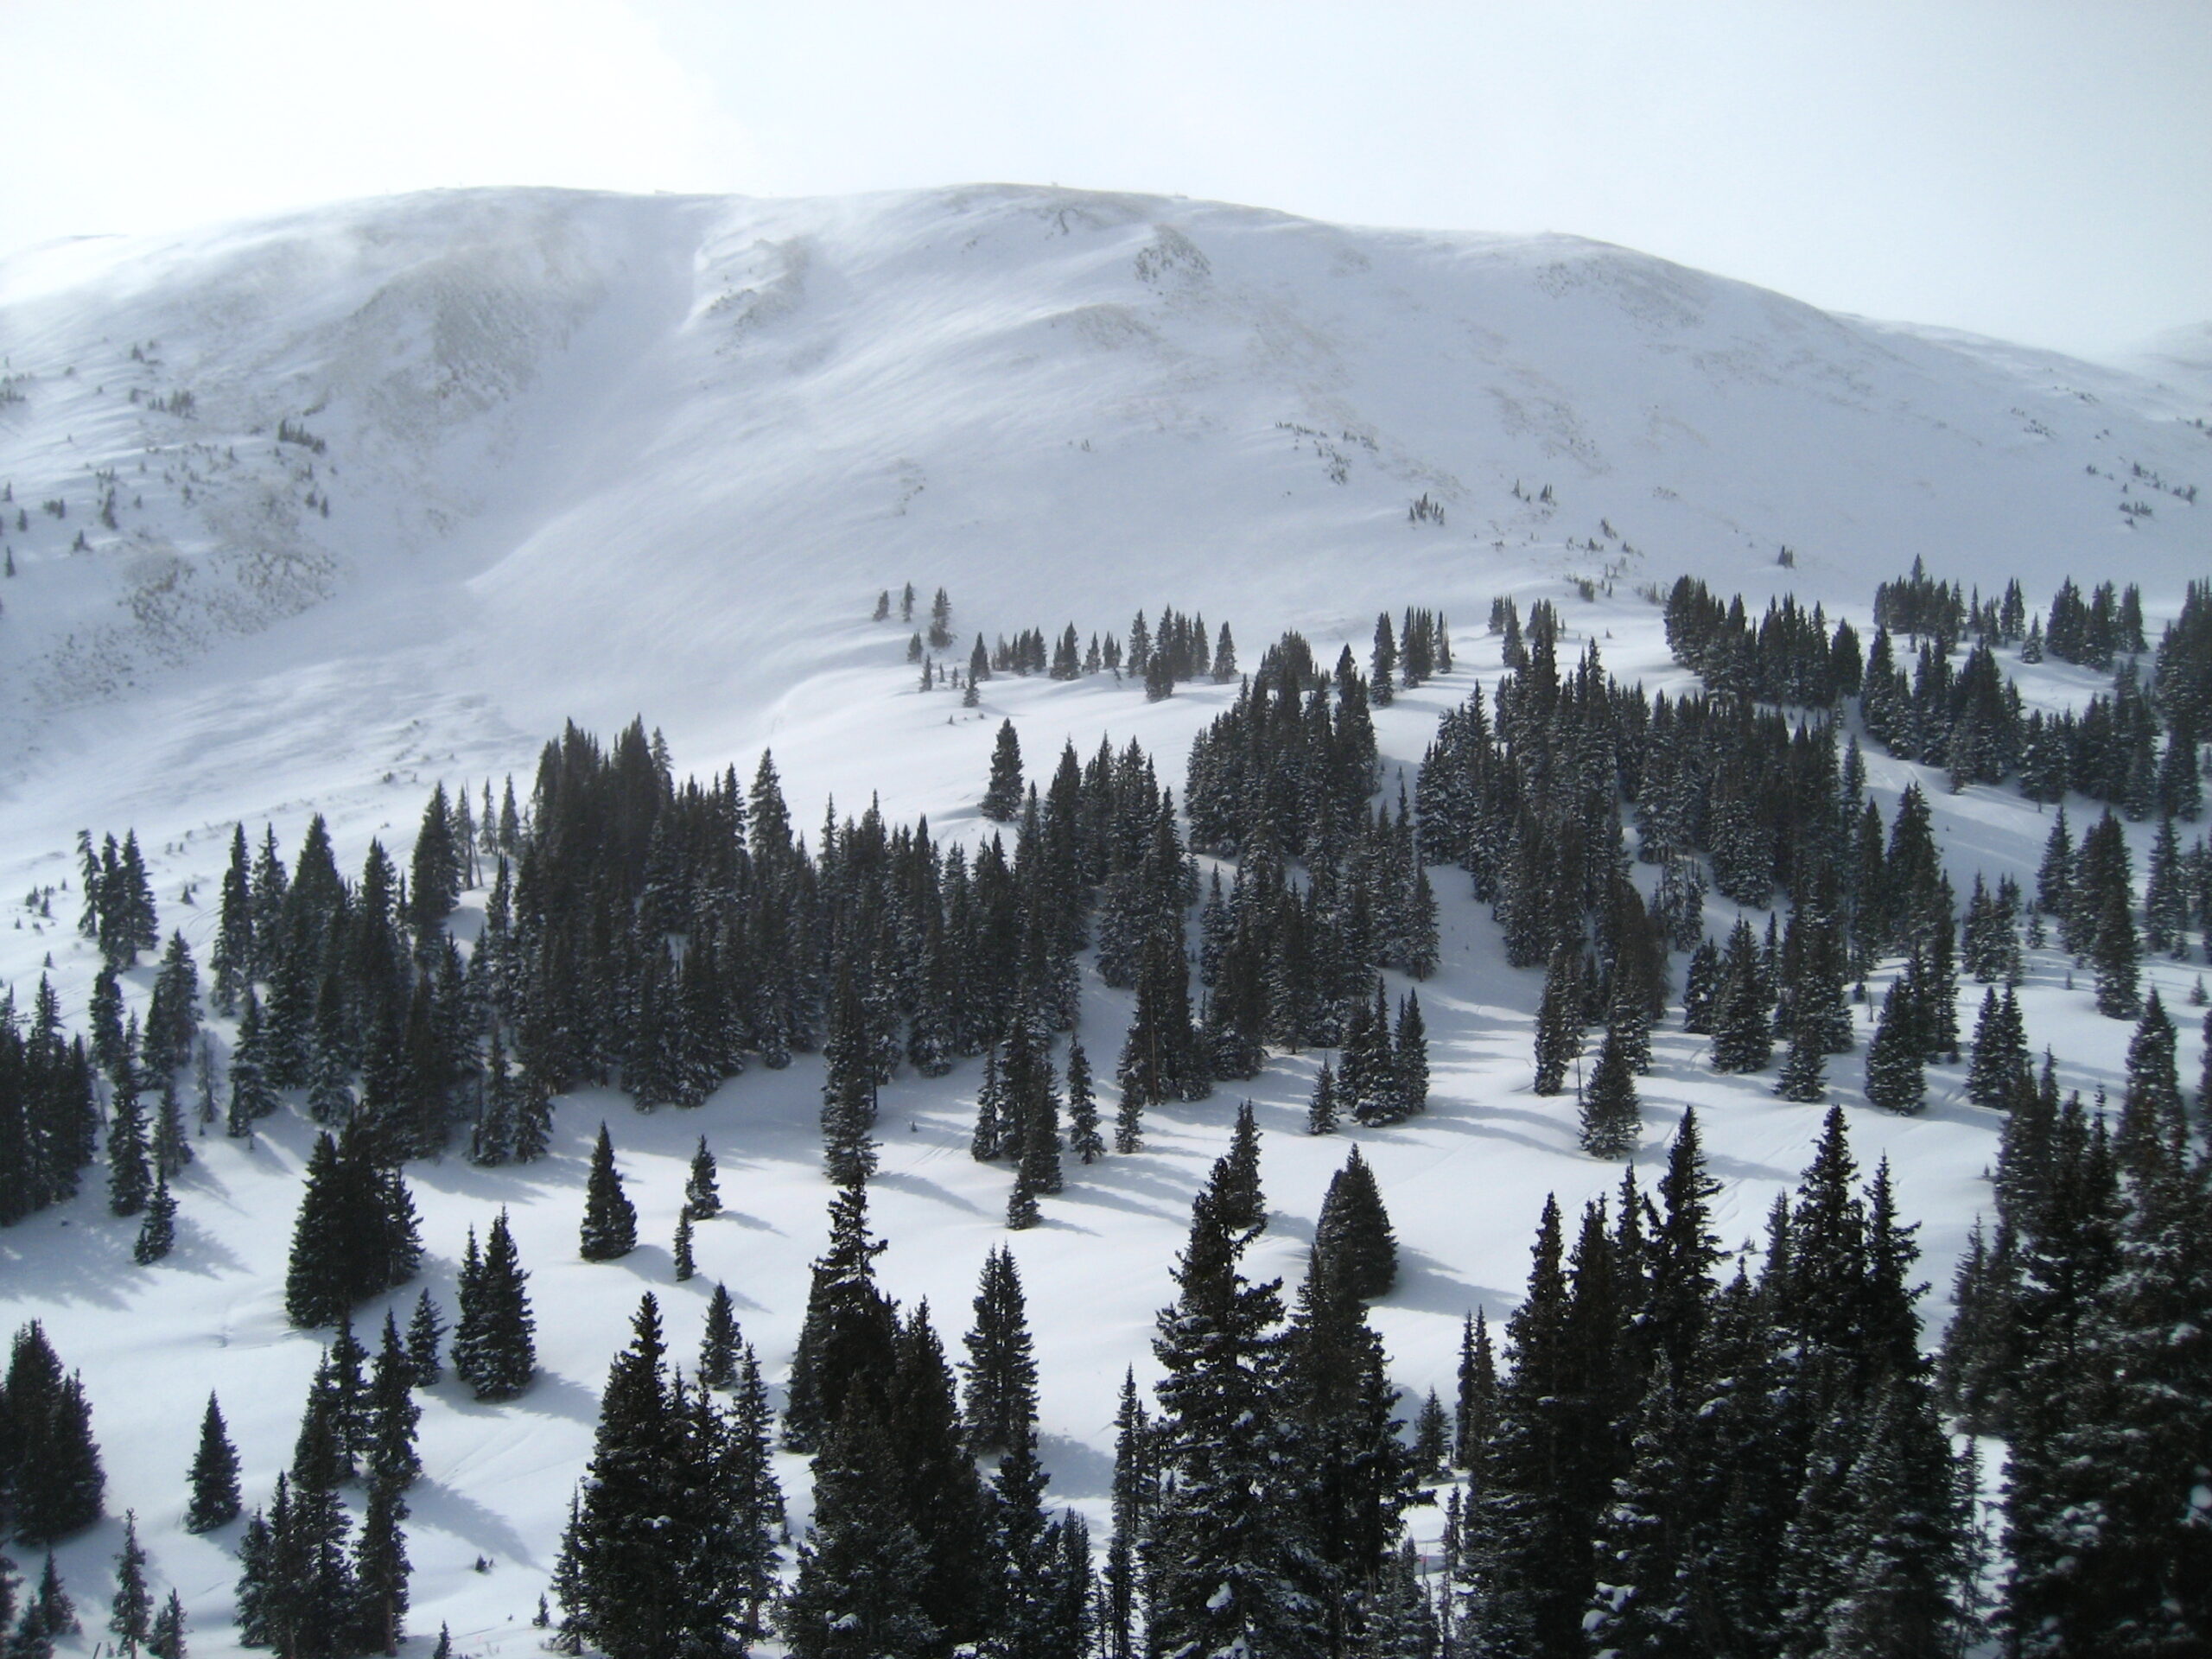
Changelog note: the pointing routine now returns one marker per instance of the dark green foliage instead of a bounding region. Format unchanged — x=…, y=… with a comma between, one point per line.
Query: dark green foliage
x=667, y=1546
x=1559, y=1024
x=702, y=1198
x=52, y=1471
x=1234, y=1181
x=718, y=1344
x=1611, y=1115
x=610, y=1223
x=1742, y=1030
x=494, y=1348
x=1353, y=1232
x=681, y=1251
x=1084, y=1138
x=131, y=1616
x=355, y=1237
x=1894, y=1080
x=1321, y=1108
x=999, y=1396
x=1475, y=1405
x=166, y=1639
x=426, y=1331
x=849, y=1329
x=157, y=1234
x=388, y=1453
x=862, y=1570
x=1002, y=796
x=214, y=1476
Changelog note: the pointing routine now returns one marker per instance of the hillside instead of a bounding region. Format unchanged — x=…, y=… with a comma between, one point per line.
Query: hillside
x=398, y=487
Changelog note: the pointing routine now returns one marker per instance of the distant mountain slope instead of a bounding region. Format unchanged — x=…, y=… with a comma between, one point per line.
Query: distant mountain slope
x=576, y=447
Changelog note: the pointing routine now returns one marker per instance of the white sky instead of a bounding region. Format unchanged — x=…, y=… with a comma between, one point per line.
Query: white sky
x=2037, y=171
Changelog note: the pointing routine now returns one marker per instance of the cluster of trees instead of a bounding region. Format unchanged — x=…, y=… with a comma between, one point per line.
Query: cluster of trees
x=313, y=1582
x=1792, y=656
x=51, y=1481
x=2079, y=1337
x=119, y=913
x=1411, y=655
x=50, y=1111
x=1669, y=1463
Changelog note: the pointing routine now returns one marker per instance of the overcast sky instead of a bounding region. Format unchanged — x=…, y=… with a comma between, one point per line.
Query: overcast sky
x=2037, y=171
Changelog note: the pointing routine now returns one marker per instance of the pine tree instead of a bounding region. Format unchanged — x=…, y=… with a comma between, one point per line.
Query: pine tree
x=1893, y=1062
x=862, y=1567
x=686, y=1266
x=1559, y=1024
x=847, y=1335
x=1475, y=1407
x=718, y=1345
x=388, y=1453
x=1804, y=1073
x=57, y=1484
x=494, y=1346
x=998, y=1397
x=702, y=1198
x=610, y=1224
x=131, y=1616
x=166, y=1639
x=1002, y=796
x=1084, y=1138
x=1353, y=1231
x=130, y=1175
x=1611, y=1116
x=1321, y=1108
x=426, y=1332
x=157, y=1235
x=214, y=1476
x=381, y=1571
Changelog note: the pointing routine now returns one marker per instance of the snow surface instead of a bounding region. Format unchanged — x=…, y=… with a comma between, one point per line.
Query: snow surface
x=591, y=457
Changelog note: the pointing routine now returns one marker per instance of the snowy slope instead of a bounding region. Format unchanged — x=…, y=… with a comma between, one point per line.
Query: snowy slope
x=591, y=457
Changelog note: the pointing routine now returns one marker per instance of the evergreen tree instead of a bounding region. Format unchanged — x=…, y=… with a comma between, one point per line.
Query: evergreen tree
x=1354, y=1232
x=214, y=1476
x=1084, y=1138
x=1611, y=1116
x=381, y=1571
x=610, y=1224
x=848, y=1336
x=1893, y=1060
x=686, y=1266
x=718, y=1345
x=426, y=1332
x=862, y=1568
x=56, y=1484
x=1321, y=1108
x=355, y=1235
x=1804, y=1073
x=494, y=1347
x=1475, y=1407
x=1002, y=796
x=130, y=1175
x=389, y=1453
x=157, y=1234
x=1220, y=1553
x=702, y=1198
x=998, y=1397
x=1559, y=1023
x=166, y=1639
x=131, y=1616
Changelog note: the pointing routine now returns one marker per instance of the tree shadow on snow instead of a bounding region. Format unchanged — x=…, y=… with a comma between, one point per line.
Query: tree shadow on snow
x=433, y=1503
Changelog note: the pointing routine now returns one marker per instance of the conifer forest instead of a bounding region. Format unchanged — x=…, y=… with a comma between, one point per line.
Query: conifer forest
x=1561, y=1090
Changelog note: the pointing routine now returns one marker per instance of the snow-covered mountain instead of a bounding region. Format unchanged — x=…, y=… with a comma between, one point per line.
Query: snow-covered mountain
x=362, y=498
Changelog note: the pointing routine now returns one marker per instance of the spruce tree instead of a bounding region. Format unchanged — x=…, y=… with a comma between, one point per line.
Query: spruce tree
x=381, y=1571
x=999, y=1396
x=57, y=1484
x=1804, y=1073
x=1559, y=1023
x=1002, y=796
x=1893, y=1062
x=1611, y=1116
x=846, y=1340
x=131, y=1616
x=1353, y=1231
x=1084, y=1138
x=130, y=1174
x=157, y=1234
x=718, y=1345
x=862, y=1568
x=681, y=1251
x=214, y=1476
x=1475, y=1405
x=166, y=1639
x=702, y=1198
x=494, y=1347
x=1321, y=1108
x=610, y=1223
x=426, y=1332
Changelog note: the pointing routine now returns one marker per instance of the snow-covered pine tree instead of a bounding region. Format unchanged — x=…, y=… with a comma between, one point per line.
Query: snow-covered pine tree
x=494, y=1344
x=610, y=1223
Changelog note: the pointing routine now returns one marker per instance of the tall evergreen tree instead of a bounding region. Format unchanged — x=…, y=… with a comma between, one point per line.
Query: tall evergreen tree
x=999, y=1398
x=214, y=1476
x=494, y=1347
x=702, y=1198
x=131, y=1616
x=55, y=1483
x=1611, y=1116
x=610, y=1224
x=1354, y=1232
